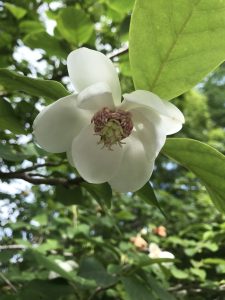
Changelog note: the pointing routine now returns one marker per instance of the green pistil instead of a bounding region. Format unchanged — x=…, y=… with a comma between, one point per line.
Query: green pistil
x=111, y=133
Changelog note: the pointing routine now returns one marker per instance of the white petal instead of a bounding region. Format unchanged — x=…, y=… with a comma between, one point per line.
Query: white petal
x=94, y=163
x=96, y=97
x=149, y=131
x=87, y=67
x=135, y=168
x=166, y=254
x=69, y=157
x=171, y=117
x=57, y=124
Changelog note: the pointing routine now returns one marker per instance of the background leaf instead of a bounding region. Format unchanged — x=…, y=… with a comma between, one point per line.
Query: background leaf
x=102, y=193
x=136, y=289
x=69, y=196
x=91, y=268
x=74, y=25
x=162, y=34
x=50, y=89
x=147, y=194
x=8, y=118
x=43, y=40
x=206, y=162
x=17, y=11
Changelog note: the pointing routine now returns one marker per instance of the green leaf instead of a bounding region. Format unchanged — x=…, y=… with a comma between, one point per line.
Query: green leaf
x=122, y=7
x=42, y=260
x=199, y=273
x=214, y=261
x=156, y=286
x=137, y=289
x=29, y=26
x=91, y=268
x=100, y=192
x=179, y=274
x=45, y=290
x=206, y=162
x=174, y=44
x=74, y=25
x=8, y=118
x=69, y=196
x=7, y=152
x=48, y=43
x=147, y=194
x=17, y=11
x=50, y=89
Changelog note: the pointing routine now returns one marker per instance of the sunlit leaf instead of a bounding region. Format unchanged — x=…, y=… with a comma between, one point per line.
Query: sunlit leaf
x=174, y=44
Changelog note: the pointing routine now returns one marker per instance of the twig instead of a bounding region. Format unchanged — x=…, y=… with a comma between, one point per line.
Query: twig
x=34, y=167
x=13, y=247
x=118, y=52
x=48, y=181
x=8, y=282
x=100, y=289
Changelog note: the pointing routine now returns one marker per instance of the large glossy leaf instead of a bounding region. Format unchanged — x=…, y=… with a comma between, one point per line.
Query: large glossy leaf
x=74, y=25
x=12, y=81
x=206, y=162
x=174, y=44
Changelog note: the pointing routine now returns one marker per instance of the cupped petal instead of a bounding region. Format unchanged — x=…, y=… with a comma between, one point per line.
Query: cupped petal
x=171, y=117
x=95, y=163
x=95, y=97
x=149, y=131
x=135, y=168
x=86, y=67
x=57, y=124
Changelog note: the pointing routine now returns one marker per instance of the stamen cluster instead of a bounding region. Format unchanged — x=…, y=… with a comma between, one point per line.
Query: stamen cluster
x=112, y=126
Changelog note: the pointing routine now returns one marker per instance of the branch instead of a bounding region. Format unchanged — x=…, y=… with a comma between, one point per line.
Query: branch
x=100, y=289
x=6, y=280
x=34, y=167
x=21, y=174
x=13, y=247
x=118, y=52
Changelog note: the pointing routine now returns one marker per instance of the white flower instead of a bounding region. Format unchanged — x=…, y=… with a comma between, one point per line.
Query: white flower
x=156, y=252
x=67, y=266
x=106, y=140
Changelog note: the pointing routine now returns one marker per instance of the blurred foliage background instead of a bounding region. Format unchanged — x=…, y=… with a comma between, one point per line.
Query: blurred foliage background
x=71, y=240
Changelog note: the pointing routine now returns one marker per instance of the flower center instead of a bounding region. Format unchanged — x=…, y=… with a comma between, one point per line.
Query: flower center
x=112, y=126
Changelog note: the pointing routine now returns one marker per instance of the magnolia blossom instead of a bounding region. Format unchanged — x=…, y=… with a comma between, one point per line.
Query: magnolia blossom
x=156, y=252
x=105, y=139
